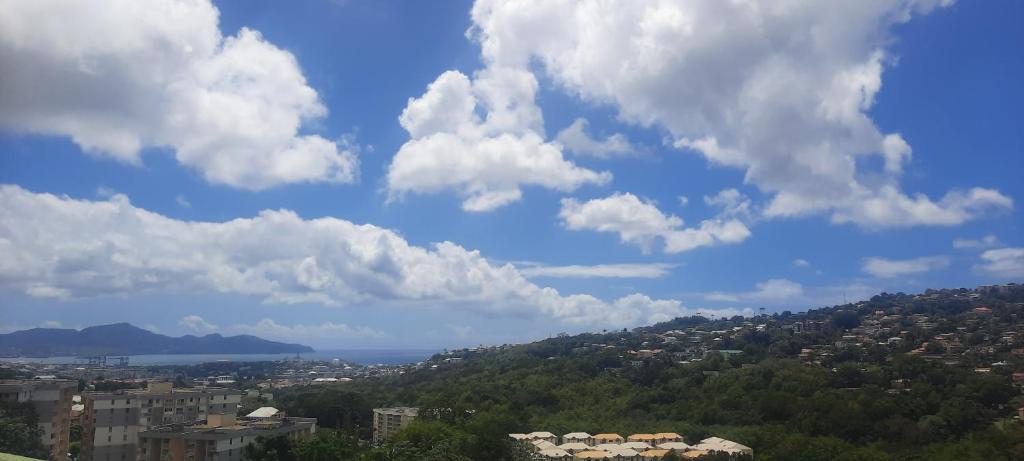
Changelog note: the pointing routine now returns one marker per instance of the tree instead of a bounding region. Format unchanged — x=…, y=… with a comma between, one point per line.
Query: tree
x=19, y=430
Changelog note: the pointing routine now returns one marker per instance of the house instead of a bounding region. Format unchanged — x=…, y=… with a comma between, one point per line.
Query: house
x=648, y=438
x=608, y=438
x=555, y=453
x=575, y=447
x=609, y=447
x=654, y=455
x=581, y=437
x=637, y=445
x=543, y=435
x=712, y=444
x=594, y=454
x=678, y=446
x=665, y=437
x=542, y=444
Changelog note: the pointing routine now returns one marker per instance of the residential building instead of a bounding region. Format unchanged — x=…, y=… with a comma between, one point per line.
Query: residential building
x=388, y=421
x=112, y=420
x=578, y=437
x=51, y=399
x=222, y=437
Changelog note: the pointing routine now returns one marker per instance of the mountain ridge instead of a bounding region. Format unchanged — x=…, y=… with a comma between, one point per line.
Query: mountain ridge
x=127, y=339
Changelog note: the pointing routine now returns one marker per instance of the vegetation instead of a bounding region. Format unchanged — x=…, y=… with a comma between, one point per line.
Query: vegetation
x=19, y=430
x=870, y=402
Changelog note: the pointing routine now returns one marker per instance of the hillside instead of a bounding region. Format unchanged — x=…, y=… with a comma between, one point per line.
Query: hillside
x=126, y=339
x=828, y=384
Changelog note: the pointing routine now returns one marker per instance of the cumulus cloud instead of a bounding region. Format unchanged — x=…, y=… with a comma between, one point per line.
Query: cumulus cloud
x=196, y=324
x=51, y=324
x=800, y=262
x=987, y=241
x=82, y=248
x=781, y=91
x=644, y=271
x=270, y=329
x=888, y=268
x=134, y=74
x=641, y=223
x=1003, y=262
x=576, y=139
x=486, y=160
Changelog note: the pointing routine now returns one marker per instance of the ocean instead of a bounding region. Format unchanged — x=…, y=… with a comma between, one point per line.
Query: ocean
x=360, y=356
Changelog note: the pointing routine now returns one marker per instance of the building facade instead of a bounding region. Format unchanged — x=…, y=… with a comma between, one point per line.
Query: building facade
x=51, y=399
x=388, y=421
x=112, y=421
x=219, y=438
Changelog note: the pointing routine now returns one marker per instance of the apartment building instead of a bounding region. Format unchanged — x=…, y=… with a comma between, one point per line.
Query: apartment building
x=51, y=399
x=388, y=421
x=219, y=438
x=112, y=421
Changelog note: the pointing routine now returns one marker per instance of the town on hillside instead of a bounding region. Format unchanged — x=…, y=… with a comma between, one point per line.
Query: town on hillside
x=944, y=368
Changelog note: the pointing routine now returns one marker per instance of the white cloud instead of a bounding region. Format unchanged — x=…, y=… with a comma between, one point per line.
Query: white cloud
x=485, y=160
x=196, y=324
x=781, y=91
x=1003, y=262
x=771, y=291
x=987, y=241
x=51, y=324
x=683, y=200
x=576, y=139
x=800, y=262
x=646, y=271
x=132, y=74
x=888, y=268
x=269, y=329
x=641, y=223
x=732, y=203
x=85, y=248
x=182, y=201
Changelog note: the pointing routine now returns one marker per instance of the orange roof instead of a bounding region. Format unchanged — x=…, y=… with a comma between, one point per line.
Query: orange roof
x=656, y=453
x=695, y=453
x=641, y=437
x=593, y=454
x=668, y=435
x=607, y=437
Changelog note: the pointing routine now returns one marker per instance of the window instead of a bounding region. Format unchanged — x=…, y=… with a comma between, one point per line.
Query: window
x=109, y=439
x=127, y=410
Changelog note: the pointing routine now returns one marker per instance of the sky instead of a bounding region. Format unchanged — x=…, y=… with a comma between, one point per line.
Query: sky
x=384, y=174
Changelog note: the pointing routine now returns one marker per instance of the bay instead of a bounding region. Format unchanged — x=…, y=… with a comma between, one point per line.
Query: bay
x=360, y=356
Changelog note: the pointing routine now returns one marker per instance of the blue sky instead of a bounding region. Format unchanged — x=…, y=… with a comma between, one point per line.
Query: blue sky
x=822, y=154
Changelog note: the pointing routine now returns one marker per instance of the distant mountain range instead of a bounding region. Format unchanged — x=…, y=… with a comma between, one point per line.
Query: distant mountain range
x=127, y=339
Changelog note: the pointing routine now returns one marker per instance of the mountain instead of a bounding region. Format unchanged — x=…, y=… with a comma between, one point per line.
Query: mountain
x=127, y=339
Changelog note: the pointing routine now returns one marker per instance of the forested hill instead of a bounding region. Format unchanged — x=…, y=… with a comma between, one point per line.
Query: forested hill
x=933, y=376
x=126, y=339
